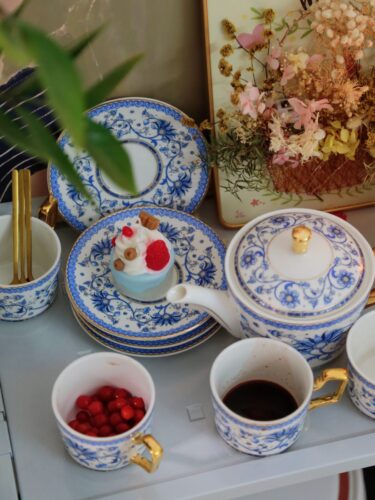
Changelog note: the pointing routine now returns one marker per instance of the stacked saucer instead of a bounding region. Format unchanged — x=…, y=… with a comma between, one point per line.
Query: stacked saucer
x=144, y=327
x=168, y=155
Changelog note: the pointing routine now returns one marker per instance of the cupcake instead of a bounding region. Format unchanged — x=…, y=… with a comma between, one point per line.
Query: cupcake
x=141, y=258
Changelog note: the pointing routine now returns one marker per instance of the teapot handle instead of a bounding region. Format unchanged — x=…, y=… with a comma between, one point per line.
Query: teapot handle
x=371, y=299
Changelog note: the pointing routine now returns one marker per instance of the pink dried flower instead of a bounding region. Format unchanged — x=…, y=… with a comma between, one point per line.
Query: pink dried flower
x=304, y=114
x=314, y=60
x=273, y=58
x=251, y=101
x=280, y=158
x=251, y=40
x=288, y=74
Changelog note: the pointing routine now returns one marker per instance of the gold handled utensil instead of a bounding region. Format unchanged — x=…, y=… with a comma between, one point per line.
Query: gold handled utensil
x=15, y=227
x=28, y=225
x=21, y=224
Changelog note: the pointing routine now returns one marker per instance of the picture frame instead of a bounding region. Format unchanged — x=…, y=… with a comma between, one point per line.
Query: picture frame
x=234, y=212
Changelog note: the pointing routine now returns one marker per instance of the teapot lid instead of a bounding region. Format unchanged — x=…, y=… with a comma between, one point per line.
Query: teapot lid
x=301, y=263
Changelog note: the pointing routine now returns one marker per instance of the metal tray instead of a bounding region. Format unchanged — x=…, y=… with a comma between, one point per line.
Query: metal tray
x=197, y=463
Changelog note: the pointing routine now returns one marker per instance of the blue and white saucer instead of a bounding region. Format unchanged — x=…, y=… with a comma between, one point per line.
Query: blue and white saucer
x=153, y=351
x=169, y=163
x=199, y=259
x=149, y=343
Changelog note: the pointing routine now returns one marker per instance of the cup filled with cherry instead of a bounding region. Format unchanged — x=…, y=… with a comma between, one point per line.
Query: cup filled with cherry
x=103, y=404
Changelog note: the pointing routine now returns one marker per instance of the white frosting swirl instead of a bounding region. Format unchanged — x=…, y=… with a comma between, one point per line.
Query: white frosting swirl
x=141, y=238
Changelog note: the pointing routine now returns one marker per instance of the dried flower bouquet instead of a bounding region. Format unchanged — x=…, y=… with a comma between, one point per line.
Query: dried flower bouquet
x=307, y=115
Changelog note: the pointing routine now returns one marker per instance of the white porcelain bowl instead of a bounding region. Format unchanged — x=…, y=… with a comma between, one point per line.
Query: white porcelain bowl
x=19, y=302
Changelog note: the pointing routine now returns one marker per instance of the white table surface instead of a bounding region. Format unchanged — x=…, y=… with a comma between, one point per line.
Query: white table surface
x=196, y=463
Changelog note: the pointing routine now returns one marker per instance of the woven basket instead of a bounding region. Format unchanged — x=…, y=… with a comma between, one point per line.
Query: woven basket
x=316, y=177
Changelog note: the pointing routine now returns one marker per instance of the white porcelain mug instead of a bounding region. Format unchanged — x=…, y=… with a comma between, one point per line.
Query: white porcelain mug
x=273, y=361
x=360, y=347
x=84, y=376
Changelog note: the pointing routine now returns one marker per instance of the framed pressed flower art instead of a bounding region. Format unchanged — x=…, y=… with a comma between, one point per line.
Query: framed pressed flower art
x=292, y=100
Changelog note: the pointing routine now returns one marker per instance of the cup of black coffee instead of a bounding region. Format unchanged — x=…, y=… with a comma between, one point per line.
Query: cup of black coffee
x=261, y=392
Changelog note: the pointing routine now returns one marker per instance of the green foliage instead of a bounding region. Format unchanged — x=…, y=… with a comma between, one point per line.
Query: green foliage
x=243, y=164
x=55, y=72
x=104, y=87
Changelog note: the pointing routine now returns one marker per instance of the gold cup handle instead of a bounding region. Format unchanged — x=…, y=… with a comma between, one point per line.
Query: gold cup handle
x=48, y=211
x=371, y=299
x=153, y=447
x=340, y=374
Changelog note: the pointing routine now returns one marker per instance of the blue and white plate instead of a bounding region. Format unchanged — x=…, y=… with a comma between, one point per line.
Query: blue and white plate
x=149, y=342
x=199, y=259
x=169, y=162
x=156, y=351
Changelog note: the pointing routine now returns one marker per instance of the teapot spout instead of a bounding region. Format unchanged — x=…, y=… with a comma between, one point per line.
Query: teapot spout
x=217, y=303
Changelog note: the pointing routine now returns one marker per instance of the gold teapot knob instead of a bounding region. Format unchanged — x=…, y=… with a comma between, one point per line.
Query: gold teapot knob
x=301, y=237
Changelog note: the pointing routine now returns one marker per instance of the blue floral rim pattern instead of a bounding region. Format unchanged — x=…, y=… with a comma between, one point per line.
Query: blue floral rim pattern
x=360, y=377
x=301, y=327
x=89, y=296
x=153, y=352
x=149, y=343
x=33, y=285
x=299, y=298
x=181, y=185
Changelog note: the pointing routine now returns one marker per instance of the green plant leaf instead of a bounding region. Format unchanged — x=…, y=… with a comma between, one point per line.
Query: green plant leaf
x=84, y=42
x=110, y=156
x=100, y=90
x=306, y=33
x=11, y=42
x=57, y=73
x=45, y=145
x=31, y=85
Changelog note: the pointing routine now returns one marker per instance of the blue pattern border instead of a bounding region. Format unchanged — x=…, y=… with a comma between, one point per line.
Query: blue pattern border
x=300, y=327
x=360, y=377
x=34, y=284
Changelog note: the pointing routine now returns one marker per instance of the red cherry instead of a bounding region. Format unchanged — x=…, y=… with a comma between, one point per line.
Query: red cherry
x=99, y=420
x=123, y=427
x=73, y=424
x=105, y=430
x=82, y=416
x=83, y=401
x=105, y=393
x=127, y=412
x=136, y=402
x=92, y=433
x=138, y=416
x=157, y=255
x=95, y=407
x=127, y=231
x=115, y=419
x=121, y=393
x=83, y=427
x=116, y=404
x=113, y=241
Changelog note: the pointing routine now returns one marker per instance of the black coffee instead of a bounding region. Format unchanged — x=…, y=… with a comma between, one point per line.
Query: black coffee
x=260, y=400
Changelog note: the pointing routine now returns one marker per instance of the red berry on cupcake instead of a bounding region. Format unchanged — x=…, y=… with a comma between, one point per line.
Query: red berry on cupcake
x=157, y=255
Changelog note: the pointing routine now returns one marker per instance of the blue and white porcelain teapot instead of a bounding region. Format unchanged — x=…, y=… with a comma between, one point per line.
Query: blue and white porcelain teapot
x=301, y=276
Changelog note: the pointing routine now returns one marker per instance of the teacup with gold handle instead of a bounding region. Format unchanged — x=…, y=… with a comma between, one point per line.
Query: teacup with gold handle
x=87, y=374
x=273, y=361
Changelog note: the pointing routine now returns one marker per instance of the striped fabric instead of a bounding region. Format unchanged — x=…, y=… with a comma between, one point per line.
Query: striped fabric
x=10, y=156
